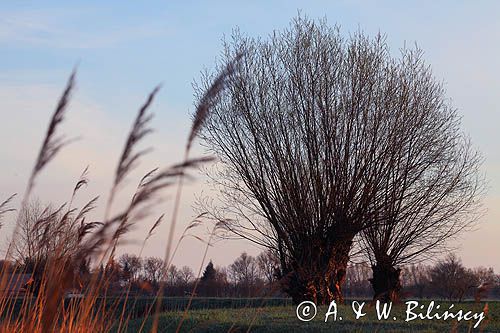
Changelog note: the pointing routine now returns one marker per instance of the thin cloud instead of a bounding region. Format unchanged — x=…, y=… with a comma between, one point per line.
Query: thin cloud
x=62, y=29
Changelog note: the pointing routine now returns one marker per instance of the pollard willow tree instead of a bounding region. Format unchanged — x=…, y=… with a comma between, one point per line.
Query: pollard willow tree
x=432, y=191
x=307, y=133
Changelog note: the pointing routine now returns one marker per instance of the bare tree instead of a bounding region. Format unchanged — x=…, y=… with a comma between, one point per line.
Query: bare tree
x=486, y=280
x=268, y=265
x=131, y=265
x=47, y=240
x=430, y=193
x=44, y=232
x=186, y=275
x=30, y=243
x=416, y=279
x=357, y=279
x=309, y=133
x=484, y=275
x=451, y=280
x=172, y=275
x=154, y=270
x=244, y=272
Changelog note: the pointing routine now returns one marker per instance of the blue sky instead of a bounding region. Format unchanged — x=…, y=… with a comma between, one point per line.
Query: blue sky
x=125, y=48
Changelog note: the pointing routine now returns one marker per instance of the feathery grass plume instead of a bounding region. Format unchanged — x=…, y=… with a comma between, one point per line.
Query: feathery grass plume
x=4, y=207
x=86, y=228
x=147, y=177
x=188, y=163
x=157, y=181
x=193, y=224
x=206, y=101
x=47, y=217
x=153, y=228
x=60, y=273
x=196, y=221
x=144, y=180
x=150, y=185
x=128, y=160
x=52, y=143
x=89, y=206
x=82, y=181
x=129, y=157
x=200, y=116
x=102, y=235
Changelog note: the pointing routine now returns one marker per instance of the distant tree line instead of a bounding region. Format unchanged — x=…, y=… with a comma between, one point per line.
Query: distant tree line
x=249, y=276
x=447, y=279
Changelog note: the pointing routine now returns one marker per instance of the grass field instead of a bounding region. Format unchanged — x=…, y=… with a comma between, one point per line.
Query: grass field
x=284, y=319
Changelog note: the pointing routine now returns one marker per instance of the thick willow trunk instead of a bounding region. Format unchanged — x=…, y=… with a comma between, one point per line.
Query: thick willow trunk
x=318, y=275
x=386, y=282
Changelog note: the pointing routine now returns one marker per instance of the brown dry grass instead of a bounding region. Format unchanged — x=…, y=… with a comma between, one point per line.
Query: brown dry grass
x=94, y=241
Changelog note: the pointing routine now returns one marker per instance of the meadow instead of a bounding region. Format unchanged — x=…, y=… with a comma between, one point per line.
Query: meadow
x=284, y=319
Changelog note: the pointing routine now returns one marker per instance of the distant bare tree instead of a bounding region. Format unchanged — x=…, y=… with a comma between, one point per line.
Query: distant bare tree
x=44, y=231
x=30, y=239
x=223, y=284
x=484, y=275
x=172, y=275
x=131, y=265
x=268, y=264
x=48, y=239
x=154, y=270
x=243, y=269
x=357, y=279
x=186, y=275
x=486, y=280
x=451, y=280
x=417, y=278
x=244, y=272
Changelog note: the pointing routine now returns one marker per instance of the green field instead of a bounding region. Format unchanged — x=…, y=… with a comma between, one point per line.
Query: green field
x=283, y=319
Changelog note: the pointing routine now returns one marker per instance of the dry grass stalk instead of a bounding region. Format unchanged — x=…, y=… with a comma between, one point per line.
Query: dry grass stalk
x=70, y=240
x=130, y=157
x=5, y=208
x=202, y=110
x=206, y=101
x=51, y=145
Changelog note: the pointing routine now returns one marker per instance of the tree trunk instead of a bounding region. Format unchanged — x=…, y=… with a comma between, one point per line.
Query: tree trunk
x=386, y=282
x=317, y=275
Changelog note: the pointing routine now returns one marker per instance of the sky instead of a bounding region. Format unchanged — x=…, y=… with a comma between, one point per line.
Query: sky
x=122, y=50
